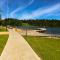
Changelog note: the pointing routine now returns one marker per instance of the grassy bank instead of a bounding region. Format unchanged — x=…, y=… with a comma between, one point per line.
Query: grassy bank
x=3, y=29
x=3, y=40
x=46, y=48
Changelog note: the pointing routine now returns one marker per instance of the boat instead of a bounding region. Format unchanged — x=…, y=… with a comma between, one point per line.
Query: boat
x=42, y=30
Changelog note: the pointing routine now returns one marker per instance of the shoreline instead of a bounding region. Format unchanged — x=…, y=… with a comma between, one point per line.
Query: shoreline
x=35, y=33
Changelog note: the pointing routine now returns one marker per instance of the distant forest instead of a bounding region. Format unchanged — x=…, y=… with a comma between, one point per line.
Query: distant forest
x=31, y=22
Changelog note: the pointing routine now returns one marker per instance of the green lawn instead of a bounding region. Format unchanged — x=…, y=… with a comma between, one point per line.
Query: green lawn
x=3, y=30
x=3, y=40
x=46, y=48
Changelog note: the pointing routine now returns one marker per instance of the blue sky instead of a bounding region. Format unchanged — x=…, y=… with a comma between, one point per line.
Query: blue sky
x=30, y=9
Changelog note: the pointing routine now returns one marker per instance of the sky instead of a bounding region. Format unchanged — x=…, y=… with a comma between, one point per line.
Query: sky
x=30, y=9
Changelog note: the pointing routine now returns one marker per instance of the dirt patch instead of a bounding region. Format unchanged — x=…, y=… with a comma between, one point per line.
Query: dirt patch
x=4, y=33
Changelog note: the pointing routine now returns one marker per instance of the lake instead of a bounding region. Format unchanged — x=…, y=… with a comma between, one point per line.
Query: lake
x=53, y=31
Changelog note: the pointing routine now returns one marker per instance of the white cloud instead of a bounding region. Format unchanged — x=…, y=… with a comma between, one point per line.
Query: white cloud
x=21, y=8
x=40, y=12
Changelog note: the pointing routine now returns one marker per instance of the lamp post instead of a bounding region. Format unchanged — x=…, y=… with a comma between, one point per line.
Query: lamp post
x=0, y=16
x=0, y=13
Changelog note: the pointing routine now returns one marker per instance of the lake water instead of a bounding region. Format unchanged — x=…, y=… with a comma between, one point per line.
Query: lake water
x=55, y=31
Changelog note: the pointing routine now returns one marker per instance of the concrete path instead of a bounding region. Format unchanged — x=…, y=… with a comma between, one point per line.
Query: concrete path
x=17, y=48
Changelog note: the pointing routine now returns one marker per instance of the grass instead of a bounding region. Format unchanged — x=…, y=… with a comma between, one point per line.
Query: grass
x=3, y=40
x=3, y=29
x=46, y=48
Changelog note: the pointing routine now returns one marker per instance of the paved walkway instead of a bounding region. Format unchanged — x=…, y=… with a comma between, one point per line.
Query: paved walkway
x=17, y=48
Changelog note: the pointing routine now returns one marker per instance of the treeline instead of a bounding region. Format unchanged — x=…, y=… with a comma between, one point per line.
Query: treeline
x=40, y=23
